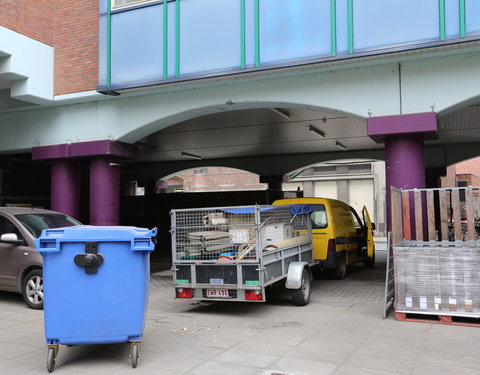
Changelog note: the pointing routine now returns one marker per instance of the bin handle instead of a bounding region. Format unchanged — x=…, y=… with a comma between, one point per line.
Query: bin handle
x=91, y=259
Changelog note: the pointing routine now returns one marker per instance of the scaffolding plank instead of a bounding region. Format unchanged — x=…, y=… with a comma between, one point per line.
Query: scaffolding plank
x=443, y=215
x=457, y=218
x=431, y=215
x=418, y=216
x=396, y=213
x=470, y=215
x=407, y=232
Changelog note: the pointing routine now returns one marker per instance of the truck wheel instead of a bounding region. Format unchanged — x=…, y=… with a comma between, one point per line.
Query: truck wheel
x=370, y=262
x=340, y=272
x=301, y=296
x=32, y=289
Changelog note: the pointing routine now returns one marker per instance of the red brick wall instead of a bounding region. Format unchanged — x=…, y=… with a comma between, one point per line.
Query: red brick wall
x=76, y=45
x=70, y=26
x=471, y=166
x=33, y=18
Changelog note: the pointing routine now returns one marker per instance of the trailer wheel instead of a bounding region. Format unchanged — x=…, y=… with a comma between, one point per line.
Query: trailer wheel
x=301, y=296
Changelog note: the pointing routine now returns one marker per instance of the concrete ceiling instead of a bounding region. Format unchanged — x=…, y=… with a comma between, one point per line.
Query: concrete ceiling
x=261, y=132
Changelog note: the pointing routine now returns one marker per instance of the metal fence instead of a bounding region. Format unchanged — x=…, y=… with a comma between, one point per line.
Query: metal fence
x=234, y=233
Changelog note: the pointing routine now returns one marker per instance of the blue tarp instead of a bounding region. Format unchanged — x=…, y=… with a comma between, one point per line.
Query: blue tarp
x=300, y=209
x=246, y=210
x=295, y=209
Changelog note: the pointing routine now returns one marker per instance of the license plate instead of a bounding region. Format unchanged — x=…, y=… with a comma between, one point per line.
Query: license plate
x=217, y=293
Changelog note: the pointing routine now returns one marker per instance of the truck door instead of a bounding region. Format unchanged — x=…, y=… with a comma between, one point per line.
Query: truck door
x=369, y=235
x=320, y=231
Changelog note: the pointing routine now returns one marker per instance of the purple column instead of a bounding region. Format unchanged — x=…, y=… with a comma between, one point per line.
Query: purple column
x=403, y=136
x=65, y=190
x=104, y=192
x=404, y=165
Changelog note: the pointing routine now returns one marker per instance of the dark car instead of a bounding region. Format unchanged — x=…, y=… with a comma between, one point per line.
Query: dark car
x=20, y=263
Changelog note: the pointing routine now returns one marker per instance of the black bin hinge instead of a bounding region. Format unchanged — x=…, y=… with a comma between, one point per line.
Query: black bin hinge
x=91, y=259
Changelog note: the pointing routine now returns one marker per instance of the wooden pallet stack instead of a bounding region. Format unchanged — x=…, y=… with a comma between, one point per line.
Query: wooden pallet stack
x=436, y=255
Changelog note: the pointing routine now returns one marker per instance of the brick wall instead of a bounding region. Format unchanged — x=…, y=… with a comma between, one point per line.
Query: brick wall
x=33, y=18
x=76, y=45
x=471, y=166
x=70, y=26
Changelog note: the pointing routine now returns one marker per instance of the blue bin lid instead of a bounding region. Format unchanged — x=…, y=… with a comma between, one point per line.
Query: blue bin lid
x=141, y=239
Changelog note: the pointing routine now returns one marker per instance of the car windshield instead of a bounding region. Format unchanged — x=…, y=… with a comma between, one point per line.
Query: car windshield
x=35, y=223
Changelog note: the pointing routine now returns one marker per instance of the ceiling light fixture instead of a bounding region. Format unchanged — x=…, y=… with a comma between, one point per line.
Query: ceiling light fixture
x=316, y=131
x=341, y=146
x=285, y=114
x=191, y=156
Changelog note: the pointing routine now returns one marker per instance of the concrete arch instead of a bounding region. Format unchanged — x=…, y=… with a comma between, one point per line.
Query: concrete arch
x=404, y=84
x=194, y=112
x=277, y=165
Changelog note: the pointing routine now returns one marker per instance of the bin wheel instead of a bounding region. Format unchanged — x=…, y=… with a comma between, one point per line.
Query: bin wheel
x=51, y=358
x=134, y=354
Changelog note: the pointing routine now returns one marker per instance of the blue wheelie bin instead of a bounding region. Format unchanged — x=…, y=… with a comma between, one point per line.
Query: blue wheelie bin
x=95, y=285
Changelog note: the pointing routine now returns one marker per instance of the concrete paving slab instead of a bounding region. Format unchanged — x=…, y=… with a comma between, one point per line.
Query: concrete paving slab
x=341, y=332
x=300, y=367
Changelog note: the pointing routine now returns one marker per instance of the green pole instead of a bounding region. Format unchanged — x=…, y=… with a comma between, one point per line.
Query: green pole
x=177, y=39
x=242, y=33
x=257, y=33
x=165, y=39
x=333, y=12
x=463, y=28
x=109, y=44
x=350, y=26
x=441, y=6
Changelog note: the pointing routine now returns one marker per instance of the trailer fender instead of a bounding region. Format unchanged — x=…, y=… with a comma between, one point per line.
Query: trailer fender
x=294, y=274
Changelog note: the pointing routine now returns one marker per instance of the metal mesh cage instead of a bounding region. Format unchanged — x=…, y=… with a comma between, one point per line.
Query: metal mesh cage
x=234, y=233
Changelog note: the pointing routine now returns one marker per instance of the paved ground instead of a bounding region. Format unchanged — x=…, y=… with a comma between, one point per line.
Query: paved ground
x=341, y=332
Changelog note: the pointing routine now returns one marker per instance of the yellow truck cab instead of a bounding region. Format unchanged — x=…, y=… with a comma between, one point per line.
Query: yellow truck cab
x=340, y=237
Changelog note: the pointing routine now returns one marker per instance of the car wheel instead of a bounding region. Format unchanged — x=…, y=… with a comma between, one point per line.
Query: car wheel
x=340, y=272
x=370, y=262
x=32, y=289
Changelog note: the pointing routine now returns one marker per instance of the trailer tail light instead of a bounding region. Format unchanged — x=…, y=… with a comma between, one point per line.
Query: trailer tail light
x=253, y=295
x=331, y=246
x=184, y=293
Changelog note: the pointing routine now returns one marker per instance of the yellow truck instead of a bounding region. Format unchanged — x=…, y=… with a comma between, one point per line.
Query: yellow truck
x=339, y=236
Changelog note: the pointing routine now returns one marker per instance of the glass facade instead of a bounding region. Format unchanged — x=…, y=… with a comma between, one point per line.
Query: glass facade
x=151, y=42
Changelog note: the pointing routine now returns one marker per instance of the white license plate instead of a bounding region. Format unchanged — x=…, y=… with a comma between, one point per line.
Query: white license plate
x=217, y=293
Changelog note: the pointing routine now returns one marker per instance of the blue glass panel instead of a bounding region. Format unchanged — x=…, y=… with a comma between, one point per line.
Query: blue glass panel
x=102, y=49
x=249, y=33
x=171, y=40
x=292, y=30
x=137, y=45
x=472, y=11
x=102, y=6
x=383, y=23
x=342, y=26
x=452, y=18
x=209, y=36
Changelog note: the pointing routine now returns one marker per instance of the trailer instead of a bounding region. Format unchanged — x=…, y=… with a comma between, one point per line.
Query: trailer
x=235, y=253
